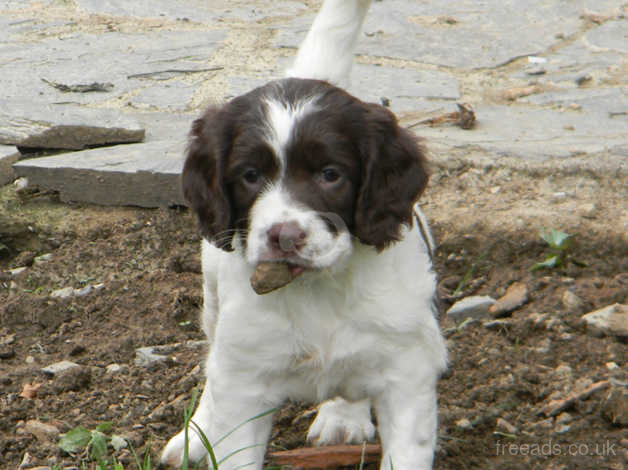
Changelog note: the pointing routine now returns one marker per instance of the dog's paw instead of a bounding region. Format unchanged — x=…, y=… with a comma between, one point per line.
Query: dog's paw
x=172, y=455
x=339, y=421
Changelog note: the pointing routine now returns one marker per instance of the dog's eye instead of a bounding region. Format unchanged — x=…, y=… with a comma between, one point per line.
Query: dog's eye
x=252, y=176
x=330, y=175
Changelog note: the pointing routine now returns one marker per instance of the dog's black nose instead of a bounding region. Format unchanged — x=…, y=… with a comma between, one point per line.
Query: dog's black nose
x=287, y=236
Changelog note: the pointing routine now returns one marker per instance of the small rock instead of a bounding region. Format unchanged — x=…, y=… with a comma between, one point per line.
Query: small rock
x=113, y=368
x=497, y=325
x=543, y=424
x=17, y=271
x=64, y=293
x=504, y=426
x=468, y=323
x=83, y=292
x=29, y=391
x=571, y=301
x=588, y=211
x=615, y=406
x=21, y=184
x=544, y=346
x=471, y=307
x=43, y=258
x=464, y=424
x=612, y=366
x=6, y=351
x=25, y=258
x=516, y=295
x=27, y=460
x=59, y=367
x=564, y=418
x=563, y=371
x=562, y=428
x=611, y=321
x=146, y=356
x=42, y=431
x=72, y=379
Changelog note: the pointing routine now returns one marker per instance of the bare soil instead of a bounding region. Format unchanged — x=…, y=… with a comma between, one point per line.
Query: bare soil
x=145, y=267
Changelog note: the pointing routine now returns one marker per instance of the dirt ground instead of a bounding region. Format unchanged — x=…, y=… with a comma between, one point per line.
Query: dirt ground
x=144, y=272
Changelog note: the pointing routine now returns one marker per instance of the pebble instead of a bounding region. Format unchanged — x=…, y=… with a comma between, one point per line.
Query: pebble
x=564, y=418
x=17, y=271
x=564, y=371
x=464, y=424
x=543, y=424
x=516, y=295
x=562, y=429
x=26, y=461
x=72, y=379
x=497, y=324
x=476, y=307
x=146, y=356
x=84, y=291
x=608, y=321
x=59, y=367
x=589, y=211
x=571, y=301
x=21, y=184
x=42, y=431
x=67, y=292
x=43, y=258
x=113, y=368
x=615, y=406
x=505, y=426
x=612, y=366
x=64, y=293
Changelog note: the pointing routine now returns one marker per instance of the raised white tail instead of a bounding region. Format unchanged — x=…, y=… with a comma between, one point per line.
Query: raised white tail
x=327, y=51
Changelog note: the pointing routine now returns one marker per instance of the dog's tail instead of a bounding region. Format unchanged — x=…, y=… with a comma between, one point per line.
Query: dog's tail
x=327, y=51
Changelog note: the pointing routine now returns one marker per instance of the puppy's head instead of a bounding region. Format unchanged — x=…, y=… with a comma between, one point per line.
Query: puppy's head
x=296, y=169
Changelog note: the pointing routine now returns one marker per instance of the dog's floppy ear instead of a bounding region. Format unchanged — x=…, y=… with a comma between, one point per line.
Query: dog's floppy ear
x=202, y=179
x=394, y=175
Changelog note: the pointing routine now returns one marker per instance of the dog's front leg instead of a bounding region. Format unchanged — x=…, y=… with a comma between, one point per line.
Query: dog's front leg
x=172, y=454
x=407, y=422
x=236, y=421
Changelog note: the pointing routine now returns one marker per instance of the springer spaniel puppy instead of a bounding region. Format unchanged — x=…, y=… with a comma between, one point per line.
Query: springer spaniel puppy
x=299, y=174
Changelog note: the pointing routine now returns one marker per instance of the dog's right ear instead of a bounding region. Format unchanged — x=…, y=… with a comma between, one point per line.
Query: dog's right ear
x=202, y=179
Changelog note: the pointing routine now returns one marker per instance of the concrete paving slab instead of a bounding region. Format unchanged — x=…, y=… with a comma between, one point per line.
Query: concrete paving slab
x=8, y=156
x=460, y=34
x=597, y=54
x=414, y=90
x=128, y=61
x=31, y=125
x=608, y=103
x=194, y=10
x=144, y=175
x=534, y=134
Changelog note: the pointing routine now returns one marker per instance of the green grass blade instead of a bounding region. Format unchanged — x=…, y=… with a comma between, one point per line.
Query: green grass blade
x=261, y=415
x=206, y=444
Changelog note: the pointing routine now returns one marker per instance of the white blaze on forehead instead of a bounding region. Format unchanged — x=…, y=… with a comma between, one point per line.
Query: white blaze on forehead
x=282, y=118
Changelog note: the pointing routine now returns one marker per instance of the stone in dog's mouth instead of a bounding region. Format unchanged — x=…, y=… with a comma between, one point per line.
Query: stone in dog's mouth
x=272, y=275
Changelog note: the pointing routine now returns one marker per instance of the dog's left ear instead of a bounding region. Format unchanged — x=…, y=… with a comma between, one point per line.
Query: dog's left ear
x=394, y=175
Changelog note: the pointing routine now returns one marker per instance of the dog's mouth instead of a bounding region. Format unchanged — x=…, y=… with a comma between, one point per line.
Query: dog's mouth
x=272, y=275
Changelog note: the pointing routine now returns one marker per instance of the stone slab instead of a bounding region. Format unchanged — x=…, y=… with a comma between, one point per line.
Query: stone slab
x=533, y=134
x=193, y=10
x=145, y=175
x=599, y=53
x=406, y=89
x=465, y=33
x=8, y=156
x=34, y=125
x=134, y=63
